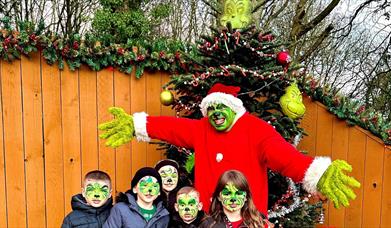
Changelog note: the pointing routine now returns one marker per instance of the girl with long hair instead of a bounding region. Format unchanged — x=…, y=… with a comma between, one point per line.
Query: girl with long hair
x=232, y=203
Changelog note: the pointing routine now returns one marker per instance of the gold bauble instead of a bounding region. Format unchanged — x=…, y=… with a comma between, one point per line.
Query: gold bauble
x=166, y=98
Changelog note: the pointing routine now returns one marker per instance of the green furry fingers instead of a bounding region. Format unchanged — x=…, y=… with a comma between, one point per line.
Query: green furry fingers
x=336, y=186
x=118, y=131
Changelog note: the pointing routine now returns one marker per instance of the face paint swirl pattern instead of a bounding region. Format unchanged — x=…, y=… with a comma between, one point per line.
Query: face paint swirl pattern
x=149, y=187
x=232, y=198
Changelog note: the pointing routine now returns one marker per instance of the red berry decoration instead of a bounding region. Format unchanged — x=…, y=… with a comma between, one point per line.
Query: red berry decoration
x=267, y=37
x=121, y=51
x=75, y=45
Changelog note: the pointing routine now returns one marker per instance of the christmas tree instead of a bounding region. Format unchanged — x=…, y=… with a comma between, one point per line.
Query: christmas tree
x=258, y=63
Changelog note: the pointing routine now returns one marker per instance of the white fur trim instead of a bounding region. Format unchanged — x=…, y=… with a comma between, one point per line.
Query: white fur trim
x=222, y=98
x=314, y=173
x=140, y=126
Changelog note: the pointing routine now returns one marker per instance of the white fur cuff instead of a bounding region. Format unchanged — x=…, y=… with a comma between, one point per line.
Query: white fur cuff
x=314, y=173
x=140, y=126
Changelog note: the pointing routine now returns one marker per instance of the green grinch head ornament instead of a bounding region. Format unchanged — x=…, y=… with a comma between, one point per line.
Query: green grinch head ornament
x=292, y=102
x=237, y=13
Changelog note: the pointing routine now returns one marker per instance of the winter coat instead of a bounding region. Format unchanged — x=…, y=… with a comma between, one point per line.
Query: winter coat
x=177, y=222
x=169, y=200
x=127, y=214
x=86, y=216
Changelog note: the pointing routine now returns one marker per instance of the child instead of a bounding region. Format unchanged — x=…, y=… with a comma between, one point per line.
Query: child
x=140, y=206
x=168, y=170
x=189, y=213
x=92, y=207
x=232, y=204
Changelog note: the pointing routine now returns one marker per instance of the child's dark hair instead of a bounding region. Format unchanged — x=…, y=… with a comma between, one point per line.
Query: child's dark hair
x=98, y=175
x=250, y=215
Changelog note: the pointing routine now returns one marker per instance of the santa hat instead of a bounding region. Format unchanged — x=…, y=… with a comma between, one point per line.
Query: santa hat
x=223, y=94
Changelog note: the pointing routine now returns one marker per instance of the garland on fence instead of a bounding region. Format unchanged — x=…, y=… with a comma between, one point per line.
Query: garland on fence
x=75, y=50
x=160, y=54
x=352, y=111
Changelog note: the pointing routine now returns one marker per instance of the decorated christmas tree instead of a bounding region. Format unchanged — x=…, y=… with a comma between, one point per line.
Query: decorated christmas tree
x=238, y=54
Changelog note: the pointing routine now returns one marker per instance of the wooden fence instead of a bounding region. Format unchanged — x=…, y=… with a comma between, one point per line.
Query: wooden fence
x=371, y=161
x=48, y=141
x=48, y=136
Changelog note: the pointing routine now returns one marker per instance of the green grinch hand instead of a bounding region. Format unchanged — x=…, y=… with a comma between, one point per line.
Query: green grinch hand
x=118, y=131
x=336, y=186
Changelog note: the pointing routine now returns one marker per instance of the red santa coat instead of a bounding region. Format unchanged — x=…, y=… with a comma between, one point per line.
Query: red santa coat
x=251, y=146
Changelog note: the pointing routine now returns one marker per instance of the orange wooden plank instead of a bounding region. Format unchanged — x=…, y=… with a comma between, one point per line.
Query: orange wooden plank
x=309, y=124
x=34, y=163
x=165, y=110
x=356, y=158
x=340, y=143
x=88, y=120
x=324, y=134
x=153, y=82
x=138, y=104
x=13, y=143
x=54, y=171
x=70, y=134
x=105, y=100
x=3, y=197
x=373, y=183
x=386, y=195
x=123, y=153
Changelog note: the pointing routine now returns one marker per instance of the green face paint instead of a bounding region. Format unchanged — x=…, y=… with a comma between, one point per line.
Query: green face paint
x=169, y=177
x=221, y=117
x=187, y=207
x=96, y=191
x=149, y=186
x=232, y=198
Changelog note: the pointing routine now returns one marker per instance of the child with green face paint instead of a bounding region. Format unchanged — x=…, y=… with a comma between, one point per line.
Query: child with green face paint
x=169, y=172
x=140, y=206
x=188, y=210
x=232, y=204
x=92, y=207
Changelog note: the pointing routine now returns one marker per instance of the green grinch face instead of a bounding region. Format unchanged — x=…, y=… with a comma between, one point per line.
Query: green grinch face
x=188, y=206
x=149, y=186
x=169, y=177
x=232, y=198
x=237, y=12
x=221, y=117
x=96, y=192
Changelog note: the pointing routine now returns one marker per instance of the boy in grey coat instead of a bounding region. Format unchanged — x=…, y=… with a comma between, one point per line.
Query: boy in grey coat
x=140, y=206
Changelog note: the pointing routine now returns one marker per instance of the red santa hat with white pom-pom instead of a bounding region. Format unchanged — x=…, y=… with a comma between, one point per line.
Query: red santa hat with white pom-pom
x=223, y=94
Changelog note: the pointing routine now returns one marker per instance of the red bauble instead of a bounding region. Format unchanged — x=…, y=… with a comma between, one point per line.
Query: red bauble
x=283, y=58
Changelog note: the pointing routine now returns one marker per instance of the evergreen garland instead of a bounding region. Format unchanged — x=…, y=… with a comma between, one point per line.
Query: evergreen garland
x=75, y=50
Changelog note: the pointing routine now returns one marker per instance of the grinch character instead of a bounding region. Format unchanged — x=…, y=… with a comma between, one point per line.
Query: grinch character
x=227, y=138
x=292, y=102
x=236, y=12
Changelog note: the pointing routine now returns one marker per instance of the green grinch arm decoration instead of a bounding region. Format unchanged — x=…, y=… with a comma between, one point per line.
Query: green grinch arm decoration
x=189, y=165
x=336, y=186
x=118, y=131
